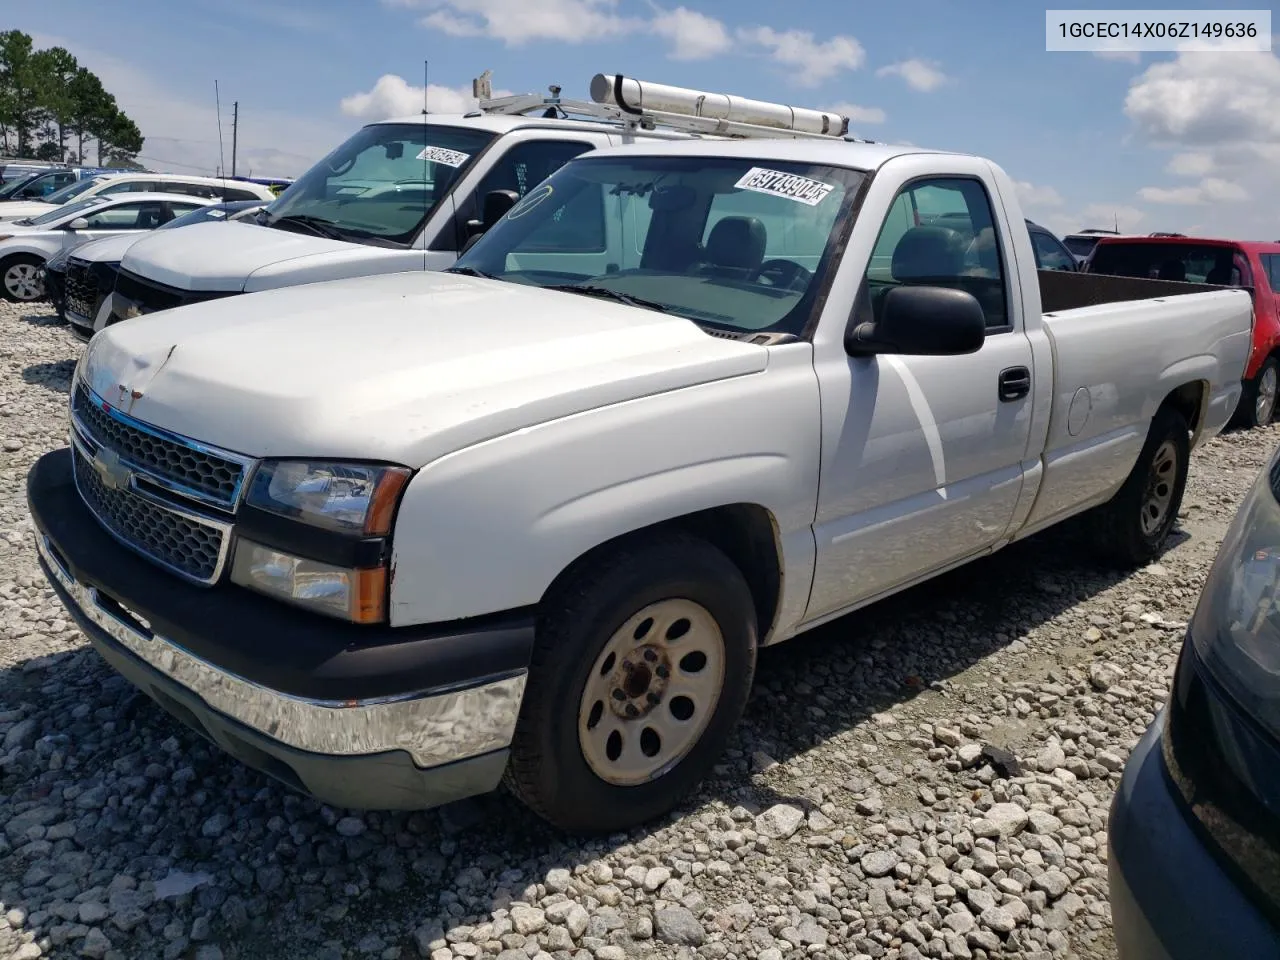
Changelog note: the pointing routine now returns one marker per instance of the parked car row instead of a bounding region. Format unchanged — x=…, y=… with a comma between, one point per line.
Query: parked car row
x=96, y=205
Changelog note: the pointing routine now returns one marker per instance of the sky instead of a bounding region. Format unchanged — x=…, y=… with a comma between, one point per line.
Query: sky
x=1187, y=142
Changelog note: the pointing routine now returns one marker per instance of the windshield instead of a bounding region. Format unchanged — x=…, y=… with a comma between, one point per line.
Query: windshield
x=73, y=190
x=13, y=186
x=736, y=244
x=1189, y=262
x=67, y=212
x=381, y=184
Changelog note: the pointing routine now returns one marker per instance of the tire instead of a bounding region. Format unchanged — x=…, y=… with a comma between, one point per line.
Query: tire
x=1258, y=401
x=562, y=764
x=17, y=274
x=1130, y=529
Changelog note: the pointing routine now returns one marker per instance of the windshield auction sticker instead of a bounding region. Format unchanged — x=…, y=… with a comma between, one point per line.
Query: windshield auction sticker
x=789, y=185
x=450, y=158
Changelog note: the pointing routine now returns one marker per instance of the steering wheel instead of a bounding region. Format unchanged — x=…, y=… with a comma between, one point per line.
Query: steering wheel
x=784, y=273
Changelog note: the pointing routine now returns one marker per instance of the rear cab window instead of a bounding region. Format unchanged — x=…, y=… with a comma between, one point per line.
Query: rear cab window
x=1213, y=263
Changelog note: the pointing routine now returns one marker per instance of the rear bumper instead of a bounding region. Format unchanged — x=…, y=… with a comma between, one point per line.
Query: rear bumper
x=1171, y=899
x=354, y=728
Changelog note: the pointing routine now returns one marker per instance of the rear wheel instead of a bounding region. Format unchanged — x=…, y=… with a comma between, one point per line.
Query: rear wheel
x=19, y=278
x=641, y=670
x=1258, y=404
x=1130, y=529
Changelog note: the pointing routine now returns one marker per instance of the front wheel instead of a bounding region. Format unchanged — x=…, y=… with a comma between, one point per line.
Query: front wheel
x=1130, y=529
x=641, y=670
x=20, y=278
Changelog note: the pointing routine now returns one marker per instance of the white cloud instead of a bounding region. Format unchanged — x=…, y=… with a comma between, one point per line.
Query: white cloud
x=517, y=22
x=920, y=75
x=1209, y=190
x=694, y=35
x=393, y=96
x=182, y=132
x=812, y=61
x=1215, y=112
x=1190, y=164
x=858, y=114
x=1032, y=196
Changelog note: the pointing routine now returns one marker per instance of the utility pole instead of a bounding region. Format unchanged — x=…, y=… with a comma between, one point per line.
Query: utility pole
x=235, y=123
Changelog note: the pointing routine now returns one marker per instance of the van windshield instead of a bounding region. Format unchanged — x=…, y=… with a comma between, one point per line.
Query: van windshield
x=738, y=244
x=381, y=185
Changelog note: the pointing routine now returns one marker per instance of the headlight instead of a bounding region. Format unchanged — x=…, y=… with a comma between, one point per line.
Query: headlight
x=338, y=509
x=344, y=497
x=1236, y=627
x=58, y=261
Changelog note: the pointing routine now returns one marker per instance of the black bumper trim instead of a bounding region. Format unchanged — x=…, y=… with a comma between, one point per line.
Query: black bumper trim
x=262, y=640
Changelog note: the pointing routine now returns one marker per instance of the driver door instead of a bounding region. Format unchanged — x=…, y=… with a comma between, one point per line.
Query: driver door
x=922, y=456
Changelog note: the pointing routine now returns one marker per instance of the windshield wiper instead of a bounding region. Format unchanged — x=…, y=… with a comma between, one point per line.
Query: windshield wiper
x=317, y=225
x=472, y=272
x=589, y=290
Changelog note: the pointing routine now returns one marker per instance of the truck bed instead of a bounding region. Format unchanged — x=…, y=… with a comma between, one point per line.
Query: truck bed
x=1064, y=290
x=1120, y=345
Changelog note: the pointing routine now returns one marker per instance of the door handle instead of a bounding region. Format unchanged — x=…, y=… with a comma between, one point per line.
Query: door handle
x=1014, y=383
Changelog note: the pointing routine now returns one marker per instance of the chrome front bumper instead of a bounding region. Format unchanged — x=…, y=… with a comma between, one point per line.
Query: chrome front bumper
x=433, y=730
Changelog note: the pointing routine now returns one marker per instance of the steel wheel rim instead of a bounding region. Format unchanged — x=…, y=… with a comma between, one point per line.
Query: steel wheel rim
x=651, y=692
x=1161, y=479
x=21, y=281
x=1265, y=403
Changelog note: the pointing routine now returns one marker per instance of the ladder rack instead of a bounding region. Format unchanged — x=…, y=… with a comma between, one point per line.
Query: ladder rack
x=647, y=106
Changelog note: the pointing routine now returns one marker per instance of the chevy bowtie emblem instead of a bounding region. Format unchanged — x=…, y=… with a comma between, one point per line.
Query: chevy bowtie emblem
x=114, y=474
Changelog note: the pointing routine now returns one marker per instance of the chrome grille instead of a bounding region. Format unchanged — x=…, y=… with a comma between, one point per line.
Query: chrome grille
x=182, y=468
x=81, y=292
x=190, y=548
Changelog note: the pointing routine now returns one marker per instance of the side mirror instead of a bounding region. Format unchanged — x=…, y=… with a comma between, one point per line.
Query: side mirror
x=497, y=203
x=921, y=321
x=79, y=223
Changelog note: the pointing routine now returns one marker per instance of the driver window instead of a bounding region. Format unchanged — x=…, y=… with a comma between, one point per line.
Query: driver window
x=941, y=232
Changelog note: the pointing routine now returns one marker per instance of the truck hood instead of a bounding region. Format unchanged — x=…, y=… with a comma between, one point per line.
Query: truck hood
x=238, y=256
x=403, y=368
x=105, y=250
x=17, y=209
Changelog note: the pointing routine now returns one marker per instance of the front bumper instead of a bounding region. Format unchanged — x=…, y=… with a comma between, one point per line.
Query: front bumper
x=1171, y=898
x=392, y=718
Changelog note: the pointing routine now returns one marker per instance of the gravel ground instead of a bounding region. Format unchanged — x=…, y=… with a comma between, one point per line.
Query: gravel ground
x=857, y=815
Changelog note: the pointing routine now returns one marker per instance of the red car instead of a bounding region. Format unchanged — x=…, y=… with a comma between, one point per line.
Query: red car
x=1228, y=263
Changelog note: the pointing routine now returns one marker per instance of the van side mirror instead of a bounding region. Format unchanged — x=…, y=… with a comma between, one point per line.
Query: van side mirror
x=497, y=203
x=921, y=321
x=79, y=223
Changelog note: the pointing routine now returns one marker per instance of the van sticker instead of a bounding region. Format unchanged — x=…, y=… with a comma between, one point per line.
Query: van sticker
x=450, y=158
x=790, y=185
x=529, y=201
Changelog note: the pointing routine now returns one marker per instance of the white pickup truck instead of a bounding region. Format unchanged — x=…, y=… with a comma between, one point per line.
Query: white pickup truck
x=394, y=539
